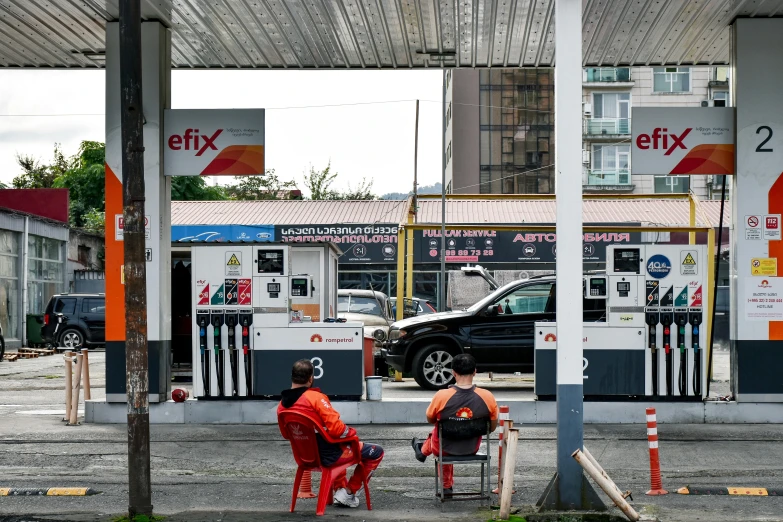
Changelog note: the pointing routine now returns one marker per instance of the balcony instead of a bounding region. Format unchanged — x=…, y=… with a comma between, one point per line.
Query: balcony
x=606, y=75
x=602, y=181
x=609, y=127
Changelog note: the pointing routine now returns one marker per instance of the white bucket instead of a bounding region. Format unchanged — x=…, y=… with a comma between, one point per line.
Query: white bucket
x=374, y=387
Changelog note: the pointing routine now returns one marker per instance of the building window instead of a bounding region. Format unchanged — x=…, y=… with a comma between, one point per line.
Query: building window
x=671, y=79
x=669, y=184
x=610, y=165
x=720, y=99
x=448, y=154
x=44, y=272
x=611, y=113
x=448, y=114
x=84, y=255
x=9, y=283
x=607, y=74
x=721, y=74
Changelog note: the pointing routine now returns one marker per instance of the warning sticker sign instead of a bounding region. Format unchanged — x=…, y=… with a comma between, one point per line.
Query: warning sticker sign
x=218, y=298
x=233, y=263
x=688, y=264
x=202, y=289
x=764, y=266
x=752, y=228
x=245, y=290
x=231, y=292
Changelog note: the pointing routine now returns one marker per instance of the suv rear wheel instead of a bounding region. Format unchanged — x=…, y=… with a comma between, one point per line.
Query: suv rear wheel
x=432, y=367
x=72, y=338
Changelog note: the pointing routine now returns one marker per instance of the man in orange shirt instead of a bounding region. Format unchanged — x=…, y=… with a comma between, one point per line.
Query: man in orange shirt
x=304, y=398
x=460, y=400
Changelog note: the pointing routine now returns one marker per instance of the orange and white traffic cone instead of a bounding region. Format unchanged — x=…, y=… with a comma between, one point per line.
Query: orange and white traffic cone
x=306, y=487
x=656, y=487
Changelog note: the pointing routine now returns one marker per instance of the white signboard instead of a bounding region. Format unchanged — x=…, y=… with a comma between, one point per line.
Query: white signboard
x=764, y=299
x=119, y=227
x=682, y=141
x=213, y=142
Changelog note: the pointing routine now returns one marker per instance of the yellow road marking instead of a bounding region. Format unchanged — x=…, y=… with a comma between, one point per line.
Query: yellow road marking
x=4, y=492
x=66, y=492
x=754, y=492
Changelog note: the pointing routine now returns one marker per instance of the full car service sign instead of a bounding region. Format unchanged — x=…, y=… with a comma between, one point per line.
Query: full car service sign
x=682, y=140
x=213, y=142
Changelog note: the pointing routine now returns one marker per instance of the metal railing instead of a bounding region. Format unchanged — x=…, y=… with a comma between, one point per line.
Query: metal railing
x=606, y=126
x=607, y=74
x=609, y=177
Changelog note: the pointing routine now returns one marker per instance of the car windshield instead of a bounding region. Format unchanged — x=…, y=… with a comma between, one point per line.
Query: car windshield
x=358, y=305
x=493, y=297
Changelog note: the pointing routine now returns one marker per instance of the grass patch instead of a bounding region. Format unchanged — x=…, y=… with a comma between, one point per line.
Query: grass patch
x=53, y=377
x=138, y=518
x=511, y=518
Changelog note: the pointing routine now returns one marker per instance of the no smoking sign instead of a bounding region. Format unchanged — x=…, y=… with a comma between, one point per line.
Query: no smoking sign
x=753, y=221
x=753, y=228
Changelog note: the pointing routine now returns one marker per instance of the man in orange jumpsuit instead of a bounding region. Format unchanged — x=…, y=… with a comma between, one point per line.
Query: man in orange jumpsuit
x=304, y=398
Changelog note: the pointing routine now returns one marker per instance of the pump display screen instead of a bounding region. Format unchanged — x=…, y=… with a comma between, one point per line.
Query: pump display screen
x=627, y=260
x=270, y=262
x=598, y=287
x=623, y=288
x=299, y=287
x=273, y=288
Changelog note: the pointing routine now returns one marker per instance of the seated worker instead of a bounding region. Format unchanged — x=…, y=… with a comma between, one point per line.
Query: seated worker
x=304, y=398
x=461, y=399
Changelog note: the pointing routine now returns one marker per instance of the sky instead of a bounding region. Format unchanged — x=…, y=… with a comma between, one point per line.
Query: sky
x=361, y=121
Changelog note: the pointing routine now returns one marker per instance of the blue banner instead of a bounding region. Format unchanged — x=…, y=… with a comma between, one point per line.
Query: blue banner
x=221, y=233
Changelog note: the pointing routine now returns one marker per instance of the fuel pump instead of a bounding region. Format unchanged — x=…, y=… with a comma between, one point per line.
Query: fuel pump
x=652, y=319
x=202, y=320
x=666, y=321
x=245, y=320
x=217, y=319
x=231, y=322
x=681, y=319
x=695, y=320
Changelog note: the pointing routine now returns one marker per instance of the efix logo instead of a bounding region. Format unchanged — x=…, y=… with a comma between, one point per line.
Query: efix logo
x=315, y=338
x=765, y=284
x=661, y=139
x=193, y=140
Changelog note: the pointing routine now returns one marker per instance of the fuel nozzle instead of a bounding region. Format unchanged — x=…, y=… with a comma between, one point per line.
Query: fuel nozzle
x=652, y=319
x=695, y=320
x=666, y=321
x=681, y=318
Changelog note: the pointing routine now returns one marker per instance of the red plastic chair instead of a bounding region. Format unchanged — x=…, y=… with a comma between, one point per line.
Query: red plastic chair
x=300, y=429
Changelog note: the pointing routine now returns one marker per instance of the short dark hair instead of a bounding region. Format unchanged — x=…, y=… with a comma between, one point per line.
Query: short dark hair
x=463, y=364
x=302, y=371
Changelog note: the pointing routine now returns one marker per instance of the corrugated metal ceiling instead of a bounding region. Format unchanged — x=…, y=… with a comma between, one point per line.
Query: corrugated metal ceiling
x=379, y=33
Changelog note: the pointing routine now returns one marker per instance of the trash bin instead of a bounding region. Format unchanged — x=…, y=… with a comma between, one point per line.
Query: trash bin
x=369, y=359
x=34, y=324
x=374, y=387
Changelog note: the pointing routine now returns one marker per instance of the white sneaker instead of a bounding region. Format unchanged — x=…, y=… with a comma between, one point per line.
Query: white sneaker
x=343, y=498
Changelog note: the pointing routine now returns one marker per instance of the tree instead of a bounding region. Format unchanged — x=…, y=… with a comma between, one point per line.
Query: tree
x=319, y=183
x=266, y=187
x=195, y=188
x=84, y=177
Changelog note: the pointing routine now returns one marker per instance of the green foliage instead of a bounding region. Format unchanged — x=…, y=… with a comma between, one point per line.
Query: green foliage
x=319, y=183
x=95, y=220
x=195, y=188
x=266, y=187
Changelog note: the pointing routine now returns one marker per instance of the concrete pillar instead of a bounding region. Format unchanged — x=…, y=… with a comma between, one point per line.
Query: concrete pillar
x=156, y=96
x=757, y=195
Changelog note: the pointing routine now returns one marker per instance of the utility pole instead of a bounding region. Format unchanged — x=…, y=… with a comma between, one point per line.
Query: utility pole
x=442, y=293
x=416, y=167
x=136, y=357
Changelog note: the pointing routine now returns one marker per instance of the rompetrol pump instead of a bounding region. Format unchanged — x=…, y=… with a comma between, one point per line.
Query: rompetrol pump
x=652, y=334
x=262, y=306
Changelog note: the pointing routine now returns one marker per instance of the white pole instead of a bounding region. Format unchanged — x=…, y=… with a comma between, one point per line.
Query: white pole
x=68, y=357
x=76, y=387
x=508, y=473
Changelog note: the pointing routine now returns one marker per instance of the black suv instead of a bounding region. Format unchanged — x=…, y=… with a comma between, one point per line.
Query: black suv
x=497, y=331
x=75, y=320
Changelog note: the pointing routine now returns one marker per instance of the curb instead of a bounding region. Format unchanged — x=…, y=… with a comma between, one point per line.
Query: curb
x=47, y=492
x=732, y=491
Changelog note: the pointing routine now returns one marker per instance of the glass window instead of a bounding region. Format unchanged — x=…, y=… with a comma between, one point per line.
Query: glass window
x=358, y=305
x=9, y=313
x=526, y=300
x=94, y=306
x=45, y=270
x=671, y=79
x=667, y=184
x=66, y=305
x=721, y=99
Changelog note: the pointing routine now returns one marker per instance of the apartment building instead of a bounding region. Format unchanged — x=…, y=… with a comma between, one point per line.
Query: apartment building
x=500, y=127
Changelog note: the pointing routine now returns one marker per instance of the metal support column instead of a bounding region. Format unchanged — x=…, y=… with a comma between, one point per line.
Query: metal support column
x=569, y=489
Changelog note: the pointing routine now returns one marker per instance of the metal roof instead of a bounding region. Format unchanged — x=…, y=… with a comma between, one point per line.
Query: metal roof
x=276, y=212
x=379, y=33
x=491, y=212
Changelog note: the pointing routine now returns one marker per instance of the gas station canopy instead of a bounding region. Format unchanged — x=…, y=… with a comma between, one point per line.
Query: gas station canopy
x=348, y=34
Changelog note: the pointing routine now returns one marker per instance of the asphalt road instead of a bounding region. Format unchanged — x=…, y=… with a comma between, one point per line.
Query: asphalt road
x=243, y=473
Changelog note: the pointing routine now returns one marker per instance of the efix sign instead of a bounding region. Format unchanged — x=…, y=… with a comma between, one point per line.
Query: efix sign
x=682, y=141
x=213, y=142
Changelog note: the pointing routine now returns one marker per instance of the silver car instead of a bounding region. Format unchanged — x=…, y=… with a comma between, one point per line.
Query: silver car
x=371, y=308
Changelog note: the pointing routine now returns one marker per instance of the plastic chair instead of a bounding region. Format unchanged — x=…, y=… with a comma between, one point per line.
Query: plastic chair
x=462, y=429
x=300, y=429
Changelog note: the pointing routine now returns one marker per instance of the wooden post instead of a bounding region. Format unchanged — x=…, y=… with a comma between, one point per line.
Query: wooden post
x=601, y=470
x=609, y=487
x=75, y=396
x=86, y=374
x=508, y=472
x=68, y=357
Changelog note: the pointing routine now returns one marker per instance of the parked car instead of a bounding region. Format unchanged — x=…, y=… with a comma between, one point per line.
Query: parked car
x=722, y=318
x=369, y=307
x=422, y=307
x=498, y=331
x=75, y=320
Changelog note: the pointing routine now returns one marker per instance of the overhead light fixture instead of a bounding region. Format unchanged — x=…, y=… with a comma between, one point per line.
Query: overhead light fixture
x=97, y=57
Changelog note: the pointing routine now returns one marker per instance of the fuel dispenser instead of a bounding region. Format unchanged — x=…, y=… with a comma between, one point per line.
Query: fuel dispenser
x=654, y=298
x=265, y=306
